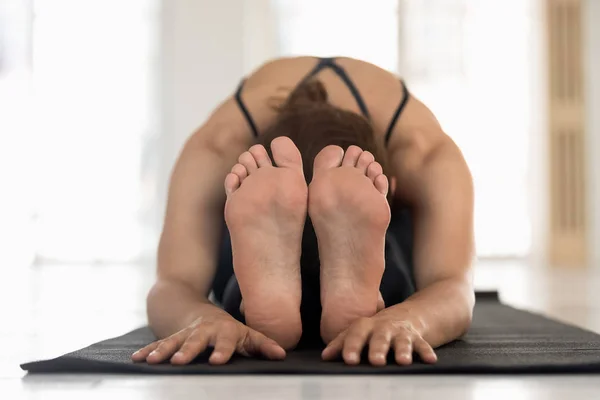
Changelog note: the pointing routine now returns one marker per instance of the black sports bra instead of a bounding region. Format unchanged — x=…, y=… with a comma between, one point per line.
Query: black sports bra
x=330, y=63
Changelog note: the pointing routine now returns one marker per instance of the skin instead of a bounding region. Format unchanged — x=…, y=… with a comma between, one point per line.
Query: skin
x=432, y=178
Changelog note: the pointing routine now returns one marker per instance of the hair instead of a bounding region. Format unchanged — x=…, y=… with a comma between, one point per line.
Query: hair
x=312, y=124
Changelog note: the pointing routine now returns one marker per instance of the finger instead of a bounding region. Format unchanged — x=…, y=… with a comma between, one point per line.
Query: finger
x=403, y=349
x=195, y=344
x=167, y=348
x=255, y=343
x=225, y=345
x=334, y=348
x=379, y=346
x=355, y=341
x=425, y=351
x=144, y=352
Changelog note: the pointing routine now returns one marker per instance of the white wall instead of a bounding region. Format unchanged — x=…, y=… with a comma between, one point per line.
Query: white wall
x=201, y=62
x=260, y=40
x=208, y=45
x=538, y=173
x=592, y=37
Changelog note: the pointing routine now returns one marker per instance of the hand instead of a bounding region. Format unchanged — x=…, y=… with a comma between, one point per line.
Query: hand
x=381, y=332
x=226, y=334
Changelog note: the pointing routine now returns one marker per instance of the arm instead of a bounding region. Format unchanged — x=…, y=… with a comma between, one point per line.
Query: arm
x=434, y=180
x=188, y=248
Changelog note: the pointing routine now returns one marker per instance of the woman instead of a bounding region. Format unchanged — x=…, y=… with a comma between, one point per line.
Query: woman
x=313, y=153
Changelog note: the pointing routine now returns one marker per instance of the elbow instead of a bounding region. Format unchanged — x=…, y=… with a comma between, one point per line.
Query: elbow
x=467, y=310
x=152, y=299
x=157, y=298
x=466, y=321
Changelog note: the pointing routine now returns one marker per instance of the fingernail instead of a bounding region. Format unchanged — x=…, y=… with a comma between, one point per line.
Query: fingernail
x=154, y=353
x=380, y=356
x=178, y=354
x=353, y=357
x=136, y=353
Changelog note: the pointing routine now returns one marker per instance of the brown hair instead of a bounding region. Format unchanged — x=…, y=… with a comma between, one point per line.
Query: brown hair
x=312, y=123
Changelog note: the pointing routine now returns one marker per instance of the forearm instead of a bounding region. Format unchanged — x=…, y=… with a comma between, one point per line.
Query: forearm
x=442, y=205
x=173, y=306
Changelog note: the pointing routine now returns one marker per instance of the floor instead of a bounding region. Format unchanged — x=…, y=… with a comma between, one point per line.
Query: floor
x=49, y=310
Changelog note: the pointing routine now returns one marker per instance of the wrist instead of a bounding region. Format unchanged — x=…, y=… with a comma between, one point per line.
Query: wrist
x=405, y=313
x=205, y=311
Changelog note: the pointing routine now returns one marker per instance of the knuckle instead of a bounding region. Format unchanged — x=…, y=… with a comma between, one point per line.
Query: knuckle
x=352, y=346
x=378, y=347
x=226, y=346
x=194, y=339
x=402, y=341
x=360, y=325
x=403, y=327
x=227, y=327
x=382, y=328
x=379, y=338
x=151, y=346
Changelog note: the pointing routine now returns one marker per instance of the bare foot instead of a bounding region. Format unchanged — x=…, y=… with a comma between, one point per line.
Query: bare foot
x=349, y=211
x=265, y=213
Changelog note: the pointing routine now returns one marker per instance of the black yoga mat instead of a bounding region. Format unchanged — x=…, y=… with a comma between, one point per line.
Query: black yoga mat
x=502, y=339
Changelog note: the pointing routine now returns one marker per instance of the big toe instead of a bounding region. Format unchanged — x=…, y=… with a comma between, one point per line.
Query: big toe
x=285, y=153
x=330, y=157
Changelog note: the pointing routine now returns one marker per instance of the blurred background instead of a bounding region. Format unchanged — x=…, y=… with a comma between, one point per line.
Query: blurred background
x=98, y=96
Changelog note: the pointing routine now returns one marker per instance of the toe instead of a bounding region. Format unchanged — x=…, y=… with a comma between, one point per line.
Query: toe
x=248, y=161
x=232, y=182
x=365, y=159
x=330, y=157
x=260, y=155
x=381, y=184
x=285, y=153
x=240, y=171
x=351, y=156
x=374, y=170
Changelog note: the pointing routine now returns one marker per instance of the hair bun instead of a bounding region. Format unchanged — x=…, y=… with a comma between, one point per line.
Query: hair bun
x=310, y=91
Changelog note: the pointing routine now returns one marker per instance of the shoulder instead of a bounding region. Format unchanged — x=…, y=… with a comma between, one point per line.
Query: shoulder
x=224, y=131
x=416, y=128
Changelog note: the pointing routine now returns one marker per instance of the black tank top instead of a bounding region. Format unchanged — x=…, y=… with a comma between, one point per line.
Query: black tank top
x=329, y=62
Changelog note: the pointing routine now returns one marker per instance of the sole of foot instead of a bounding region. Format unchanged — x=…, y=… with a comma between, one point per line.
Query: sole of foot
x=348, y=207
x=265, y=213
